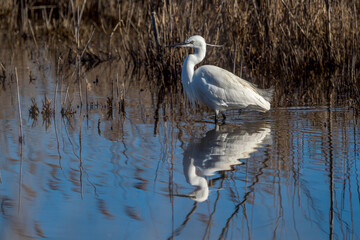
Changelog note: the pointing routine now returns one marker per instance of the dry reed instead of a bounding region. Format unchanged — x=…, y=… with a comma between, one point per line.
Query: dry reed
x=308, y=50
x=19, y=107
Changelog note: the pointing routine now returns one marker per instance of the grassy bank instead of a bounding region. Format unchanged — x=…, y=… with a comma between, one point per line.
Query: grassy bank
x=308, y=50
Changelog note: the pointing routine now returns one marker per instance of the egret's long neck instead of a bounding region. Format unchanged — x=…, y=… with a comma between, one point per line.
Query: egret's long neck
x=187, y=71
x=191, y=176
x=189, y=64
x=202, y=191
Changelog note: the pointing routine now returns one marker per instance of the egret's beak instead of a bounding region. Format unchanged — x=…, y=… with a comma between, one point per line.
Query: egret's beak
x=181, y=195
x=182, y=44
x=213, y=45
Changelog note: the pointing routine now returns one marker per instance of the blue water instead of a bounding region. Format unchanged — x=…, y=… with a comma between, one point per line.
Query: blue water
x=292, y=173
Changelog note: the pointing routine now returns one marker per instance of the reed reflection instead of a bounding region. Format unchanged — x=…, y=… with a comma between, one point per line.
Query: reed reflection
x=220, y=150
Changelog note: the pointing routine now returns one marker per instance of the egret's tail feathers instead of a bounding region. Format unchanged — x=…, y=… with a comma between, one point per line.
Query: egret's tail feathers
x=267, y=94
x=258, y=108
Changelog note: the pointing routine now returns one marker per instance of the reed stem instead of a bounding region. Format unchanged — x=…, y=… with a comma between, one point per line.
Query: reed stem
x=19, y=106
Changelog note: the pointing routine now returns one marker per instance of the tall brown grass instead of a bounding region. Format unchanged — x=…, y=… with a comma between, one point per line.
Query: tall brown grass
x=308, y=50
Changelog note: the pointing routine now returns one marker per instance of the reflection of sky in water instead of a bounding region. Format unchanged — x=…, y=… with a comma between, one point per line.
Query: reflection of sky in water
x=300, y=182
x=115, y=180
x=124, y=186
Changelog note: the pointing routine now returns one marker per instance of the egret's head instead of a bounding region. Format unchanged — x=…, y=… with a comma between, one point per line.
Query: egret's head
x=193, y=42
x=199, y=45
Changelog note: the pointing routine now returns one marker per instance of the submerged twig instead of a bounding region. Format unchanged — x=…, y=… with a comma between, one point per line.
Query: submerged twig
x=19, y=105
x=20, y=140
x=20, y=176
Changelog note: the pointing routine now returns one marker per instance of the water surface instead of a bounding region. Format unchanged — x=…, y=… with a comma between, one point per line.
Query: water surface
x=158, y=170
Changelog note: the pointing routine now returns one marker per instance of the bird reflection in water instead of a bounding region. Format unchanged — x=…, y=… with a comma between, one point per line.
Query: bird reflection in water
x=220, y=150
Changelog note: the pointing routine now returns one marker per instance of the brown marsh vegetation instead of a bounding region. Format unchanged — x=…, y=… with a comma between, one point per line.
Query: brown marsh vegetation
x=308, y=50
x=74, y=58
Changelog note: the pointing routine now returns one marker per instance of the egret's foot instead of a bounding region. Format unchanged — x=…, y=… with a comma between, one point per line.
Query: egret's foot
x=223, y=118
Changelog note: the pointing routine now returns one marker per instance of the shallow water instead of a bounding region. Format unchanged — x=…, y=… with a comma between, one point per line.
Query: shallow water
x=157, y=171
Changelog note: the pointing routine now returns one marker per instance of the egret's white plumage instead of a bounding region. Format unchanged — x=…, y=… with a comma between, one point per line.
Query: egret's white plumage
x=219, y=150
x=218, y=88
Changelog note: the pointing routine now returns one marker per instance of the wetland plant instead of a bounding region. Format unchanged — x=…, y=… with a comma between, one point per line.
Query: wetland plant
x=47, y=110
x=67, y=111
x=308, y=50
x=109, y=107
x=3, y=75
x=33, y=110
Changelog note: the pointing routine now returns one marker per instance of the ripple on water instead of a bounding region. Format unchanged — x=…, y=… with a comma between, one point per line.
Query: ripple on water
x=289, y=172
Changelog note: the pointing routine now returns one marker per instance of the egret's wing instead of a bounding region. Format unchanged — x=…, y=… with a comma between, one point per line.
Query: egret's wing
x=218, y=87
x=224, y=147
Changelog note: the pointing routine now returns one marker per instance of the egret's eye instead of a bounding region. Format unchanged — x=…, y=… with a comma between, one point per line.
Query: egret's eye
x=192, y=42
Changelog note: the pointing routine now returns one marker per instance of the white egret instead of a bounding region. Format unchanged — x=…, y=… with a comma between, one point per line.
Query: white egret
x=218, y=88
x=220, y=150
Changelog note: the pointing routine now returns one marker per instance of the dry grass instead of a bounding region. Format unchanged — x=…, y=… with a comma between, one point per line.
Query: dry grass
x=34, y=110
x=308, y=50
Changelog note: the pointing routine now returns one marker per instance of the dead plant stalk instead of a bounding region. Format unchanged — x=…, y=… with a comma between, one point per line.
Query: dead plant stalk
x=19, y=105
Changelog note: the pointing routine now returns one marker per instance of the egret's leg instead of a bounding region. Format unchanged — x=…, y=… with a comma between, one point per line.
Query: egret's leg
x=224, y=117
x=216, y=116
